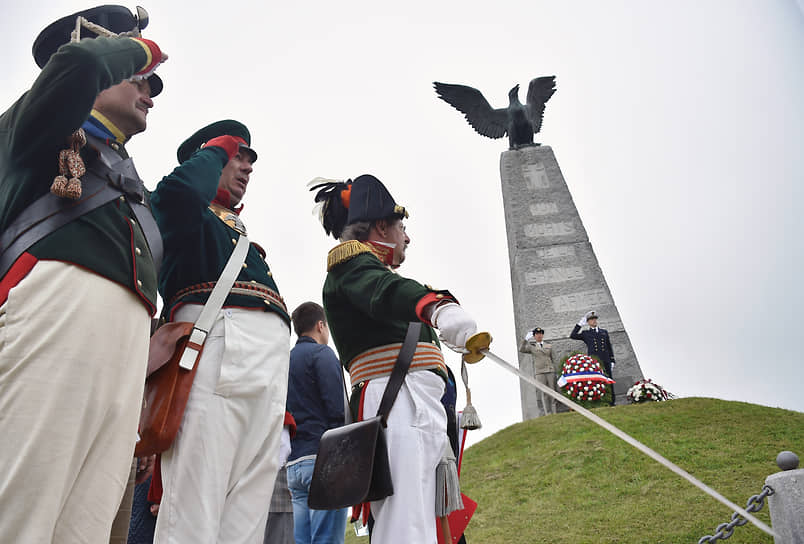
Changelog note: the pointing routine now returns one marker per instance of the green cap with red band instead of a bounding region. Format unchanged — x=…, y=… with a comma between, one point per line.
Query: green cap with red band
x=227, y=127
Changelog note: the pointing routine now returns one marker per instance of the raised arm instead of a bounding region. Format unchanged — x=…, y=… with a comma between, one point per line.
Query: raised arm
x=182, y=197
x=62, y=96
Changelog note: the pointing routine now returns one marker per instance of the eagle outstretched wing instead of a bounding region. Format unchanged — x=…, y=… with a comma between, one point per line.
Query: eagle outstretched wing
x=539, y=92
x=478, y=112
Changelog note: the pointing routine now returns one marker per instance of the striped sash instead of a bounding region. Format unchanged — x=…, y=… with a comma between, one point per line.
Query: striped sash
x=378, y=362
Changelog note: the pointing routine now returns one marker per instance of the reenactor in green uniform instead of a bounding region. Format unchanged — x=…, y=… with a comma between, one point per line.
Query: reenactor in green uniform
x=219, y=473
x=368, y=308
x=78, y=254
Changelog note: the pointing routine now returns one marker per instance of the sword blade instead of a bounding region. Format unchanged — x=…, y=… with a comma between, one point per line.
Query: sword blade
x=628, y=438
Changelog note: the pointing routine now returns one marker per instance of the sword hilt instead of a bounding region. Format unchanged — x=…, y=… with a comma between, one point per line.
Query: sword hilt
x=475, y=345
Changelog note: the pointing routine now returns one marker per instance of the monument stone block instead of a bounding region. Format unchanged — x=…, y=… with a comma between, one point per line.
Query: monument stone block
x=555, y=275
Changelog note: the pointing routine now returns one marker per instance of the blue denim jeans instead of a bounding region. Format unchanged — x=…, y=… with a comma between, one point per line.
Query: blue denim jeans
x=312, y=526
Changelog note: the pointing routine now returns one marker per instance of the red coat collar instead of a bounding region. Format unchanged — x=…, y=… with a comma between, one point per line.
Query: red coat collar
x=383, y=252
x=224, y=198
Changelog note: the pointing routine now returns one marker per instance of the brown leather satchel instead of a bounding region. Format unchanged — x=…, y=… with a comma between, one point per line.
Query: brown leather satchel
x=352, y=463
x=173, y=357
x=167, y=388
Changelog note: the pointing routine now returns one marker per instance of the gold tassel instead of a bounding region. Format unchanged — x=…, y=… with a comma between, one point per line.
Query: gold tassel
x=70, y=164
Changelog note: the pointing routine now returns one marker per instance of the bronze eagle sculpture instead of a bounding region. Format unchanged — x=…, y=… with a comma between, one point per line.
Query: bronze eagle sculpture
x=519, y=121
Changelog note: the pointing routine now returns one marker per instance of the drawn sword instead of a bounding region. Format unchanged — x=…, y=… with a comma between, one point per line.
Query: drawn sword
x=477, y=348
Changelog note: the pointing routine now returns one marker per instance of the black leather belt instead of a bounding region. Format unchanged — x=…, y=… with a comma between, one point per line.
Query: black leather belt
x=108, y=178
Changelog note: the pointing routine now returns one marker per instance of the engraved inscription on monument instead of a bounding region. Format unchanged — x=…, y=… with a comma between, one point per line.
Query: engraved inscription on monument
x=555, y=275
x=544, y=208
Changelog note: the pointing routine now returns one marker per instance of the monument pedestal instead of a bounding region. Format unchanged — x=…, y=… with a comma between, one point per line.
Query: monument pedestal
x=555, y=275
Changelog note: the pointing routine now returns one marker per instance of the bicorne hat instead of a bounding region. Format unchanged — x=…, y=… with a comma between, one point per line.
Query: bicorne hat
x=227, y=127
x=347, y=202
x=117, y=19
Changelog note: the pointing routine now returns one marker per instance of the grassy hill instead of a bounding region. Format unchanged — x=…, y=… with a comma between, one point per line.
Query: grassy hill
x=561, y=479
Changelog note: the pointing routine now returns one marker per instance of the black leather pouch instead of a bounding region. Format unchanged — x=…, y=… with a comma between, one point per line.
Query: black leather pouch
x=351, y=466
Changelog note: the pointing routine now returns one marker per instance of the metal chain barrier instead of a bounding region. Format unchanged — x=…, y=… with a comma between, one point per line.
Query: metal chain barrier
x=725, y=530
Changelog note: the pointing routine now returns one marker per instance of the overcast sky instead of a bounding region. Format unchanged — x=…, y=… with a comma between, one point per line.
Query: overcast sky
x=677, y=125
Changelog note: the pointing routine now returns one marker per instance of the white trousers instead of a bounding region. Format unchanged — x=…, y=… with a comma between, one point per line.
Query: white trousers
x=416, y=435
x=219, y=474
x=73, y=354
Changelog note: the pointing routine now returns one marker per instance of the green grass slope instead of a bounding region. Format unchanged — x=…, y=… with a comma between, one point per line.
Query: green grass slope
x=562, y=479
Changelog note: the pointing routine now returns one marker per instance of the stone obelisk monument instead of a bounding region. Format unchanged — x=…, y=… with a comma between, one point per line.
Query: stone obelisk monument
x=555, y=275
x=554, y=272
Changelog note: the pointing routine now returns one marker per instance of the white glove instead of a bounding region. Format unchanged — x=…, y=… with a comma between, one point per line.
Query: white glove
x=582, y=322
x=284, y=446
x=454, y=323
x=528, y=336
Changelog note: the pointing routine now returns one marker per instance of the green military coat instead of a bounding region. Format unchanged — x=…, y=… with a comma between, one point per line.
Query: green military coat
x=369, y=305
x=197, y=242
x=107, y=240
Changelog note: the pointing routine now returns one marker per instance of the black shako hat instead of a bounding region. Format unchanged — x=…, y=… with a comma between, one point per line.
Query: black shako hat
x=116, y=19
x=227, y=127
x=363, y=200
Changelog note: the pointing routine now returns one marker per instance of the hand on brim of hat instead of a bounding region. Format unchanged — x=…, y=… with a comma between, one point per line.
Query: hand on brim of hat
x=157, y=58
x=582, y=321
x=230, y=144
x=454, y=323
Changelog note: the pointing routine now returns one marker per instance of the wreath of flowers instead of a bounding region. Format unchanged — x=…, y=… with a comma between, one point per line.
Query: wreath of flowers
x=583, y=380
x=647, y=391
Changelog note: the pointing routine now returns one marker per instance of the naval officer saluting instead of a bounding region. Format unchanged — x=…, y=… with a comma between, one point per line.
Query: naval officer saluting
x=597, y=342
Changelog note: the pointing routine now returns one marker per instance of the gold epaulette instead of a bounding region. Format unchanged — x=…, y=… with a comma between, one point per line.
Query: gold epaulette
x=345, y=251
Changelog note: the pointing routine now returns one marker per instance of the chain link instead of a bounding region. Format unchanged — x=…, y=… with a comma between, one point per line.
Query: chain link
x=723, y=531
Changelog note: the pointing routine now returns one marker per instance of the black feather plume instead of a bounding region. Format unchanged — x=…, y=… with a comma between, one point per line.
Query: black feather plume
x=334, y=212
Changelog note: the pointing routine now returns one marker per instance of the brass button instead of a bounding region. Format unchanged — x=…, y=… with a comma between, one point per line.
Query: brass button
x=234, y=241
x=139, y=283
x=270, y=274
x=439, y=296
x=138, y=251
x=122, y=198
x=267, y=303
x=245, y=265
x=133, y=222
x=253, y=281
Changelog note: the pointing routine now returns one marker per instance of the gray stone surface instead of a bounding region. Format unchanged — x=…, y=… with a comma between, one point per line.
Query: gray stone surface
x=555, y=275
x=787, y=506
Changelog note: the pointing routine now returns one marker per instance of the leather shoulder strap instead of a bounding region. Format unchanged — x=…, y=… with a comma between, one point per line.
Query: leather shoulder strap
x=400, y=370
x=106, y=179
x=214, y=304
x=47, y=214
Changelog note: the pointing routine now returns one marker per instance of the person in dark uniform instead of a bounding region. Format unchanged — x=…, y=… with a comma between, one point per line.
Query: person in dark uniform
x=598, y=343
x=78, y=258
